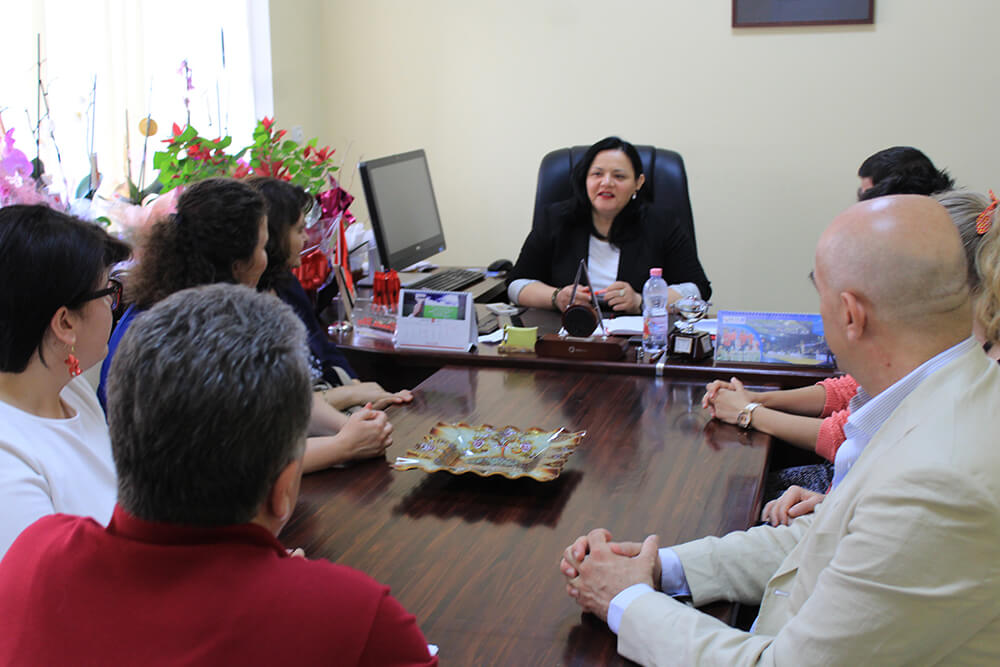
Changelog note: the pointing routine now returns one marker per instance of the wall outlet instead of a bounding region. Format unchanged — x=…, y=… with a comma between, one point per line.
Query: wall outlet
x=298, y=135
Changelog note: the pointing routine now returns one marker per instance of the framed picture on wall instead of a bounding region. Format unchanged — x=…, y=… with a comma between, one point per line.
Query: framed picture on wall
x=770, y=13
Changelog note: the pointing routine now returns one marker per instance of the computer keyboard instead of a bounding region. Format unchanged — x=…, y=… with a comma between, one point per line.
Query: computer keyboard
x=449, y=280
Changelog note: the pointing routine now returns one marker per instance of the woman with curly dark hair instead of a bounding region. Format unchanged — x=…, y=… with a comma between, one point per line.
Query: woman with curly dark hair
x=219, y=235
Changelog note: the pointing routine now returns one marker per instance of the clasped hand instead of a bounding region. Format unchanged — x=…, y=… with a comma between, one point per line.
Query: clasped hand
x=597, y=569
x=724, y=400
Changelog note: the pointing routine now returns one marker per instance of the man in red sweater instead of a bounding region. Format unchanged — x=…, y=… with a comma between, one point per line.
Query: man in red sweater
x=209, y=400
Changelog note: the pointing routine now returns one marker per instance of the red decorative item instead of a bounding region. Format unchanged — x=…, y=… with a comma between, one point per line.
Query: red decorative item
x=385, y=289
x=73, y=364
x=343, y=254
x=313, y=270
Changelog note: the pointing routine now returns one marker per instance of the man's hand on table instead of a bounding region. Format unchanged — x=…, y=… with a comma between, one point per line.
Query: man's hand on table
x=597, y=569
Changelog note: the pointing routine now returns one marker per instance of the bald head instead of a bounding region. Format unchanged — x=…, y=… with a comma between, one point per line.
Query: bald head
x=903, y=257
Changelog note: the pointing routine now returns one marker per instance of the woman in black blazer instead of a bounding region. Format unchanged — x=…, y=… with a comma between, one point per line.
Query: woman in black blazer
x=607, y=223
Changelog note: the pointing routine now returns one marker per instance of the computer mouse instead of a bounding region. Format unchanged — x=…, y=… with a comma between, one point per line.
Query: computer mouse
x=500, y=265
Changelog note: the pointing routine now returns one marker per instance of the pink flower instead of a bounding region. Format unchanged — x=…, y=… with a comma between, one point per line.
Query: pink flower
x=12, y=161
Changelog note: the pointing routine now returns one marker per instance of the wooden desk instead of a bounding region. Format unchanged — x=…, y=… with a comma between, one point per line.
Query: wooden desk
x=375, y=358
x=476, y=559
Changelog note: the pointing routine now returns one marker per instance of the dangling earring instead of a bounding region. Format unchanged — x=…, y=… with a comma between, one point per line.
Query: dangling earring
x=635, y=194
x=72, y=363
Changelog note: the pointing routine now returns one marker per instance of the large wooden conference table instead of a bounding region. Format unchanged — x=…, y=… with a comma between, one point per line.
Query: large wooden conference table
x=476, y=559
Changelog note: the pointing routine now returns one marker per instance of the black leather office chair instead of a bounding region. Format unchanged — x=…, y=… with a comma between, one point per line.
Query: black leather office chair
x=666, y=180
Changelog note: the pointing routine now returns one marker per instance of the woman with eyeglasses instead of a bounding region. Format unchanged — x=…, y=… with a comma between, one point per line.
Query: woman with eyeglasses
x=55, y=317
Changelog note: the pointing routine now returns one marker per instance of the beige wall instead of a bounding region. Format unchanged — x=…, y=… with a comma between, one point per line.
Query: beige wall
x=772, y=123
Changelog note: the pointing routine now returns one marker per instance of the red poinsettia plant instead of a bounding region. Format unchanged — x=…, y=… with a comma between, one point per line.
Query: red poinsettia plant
x=189, y=157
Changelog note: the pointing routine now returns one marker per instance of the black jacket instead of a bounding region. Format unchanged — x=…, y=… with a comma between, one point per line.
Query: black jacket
x=650, y=237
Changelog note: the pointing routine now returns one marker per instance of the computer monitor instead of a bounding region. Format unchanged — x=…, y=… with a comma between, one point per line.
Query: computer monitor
x=404, y=213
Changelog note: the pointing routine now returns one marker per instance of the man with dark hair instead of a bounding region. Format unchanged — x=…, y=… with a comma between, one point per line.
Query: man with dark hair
x=901, y=170
x=208, y=408
x=901, y=563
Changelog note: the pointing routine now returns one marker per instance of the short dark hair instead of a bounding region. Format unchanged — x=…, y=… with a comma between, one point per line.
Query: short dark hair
x=902, y=170
x=285, y=203
x=47, y=260
x=216, y=224
x=583, y=206
x=208, y=401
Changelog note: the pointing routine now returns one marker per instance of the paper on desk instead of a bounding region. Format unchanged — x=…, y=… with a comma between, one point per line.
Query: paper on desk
x=626, y=325
x=631, y=325
x=493, y=338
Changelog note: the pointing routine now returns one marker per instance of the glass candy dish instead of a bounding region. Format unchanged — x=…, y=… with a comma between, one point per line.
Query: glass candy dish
x=487, y=450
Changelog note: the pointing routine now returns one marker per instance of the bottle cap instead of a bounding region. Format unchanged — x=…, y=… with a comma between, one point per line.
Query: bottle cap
x=656, y=272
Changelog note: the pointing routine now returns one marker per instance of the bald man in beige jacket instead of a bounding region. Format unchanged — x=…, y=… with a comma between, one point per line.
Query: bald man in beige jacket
x=901, y=563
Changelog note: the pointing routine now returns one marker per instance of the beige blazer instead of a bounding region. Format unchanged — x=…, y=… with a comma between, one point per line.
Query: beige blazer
x=899, y=565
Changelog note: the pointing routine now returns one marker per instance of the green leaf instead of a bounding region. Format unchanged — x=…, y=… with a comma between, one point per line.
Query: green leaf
x=188, y=134
x=160, y=159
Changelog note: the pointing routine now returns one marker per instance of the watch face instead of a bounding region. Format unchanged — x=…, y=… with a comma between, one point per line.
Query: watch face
x=743, y=418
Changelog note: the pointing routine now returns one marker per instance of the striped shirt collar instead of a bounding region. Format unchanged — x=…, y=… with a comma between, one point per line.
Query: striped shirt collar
x=869, y=413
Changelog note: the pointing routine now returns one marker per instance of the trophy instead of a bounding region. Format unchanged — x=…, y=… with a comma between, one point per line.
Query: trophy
x=687, y=342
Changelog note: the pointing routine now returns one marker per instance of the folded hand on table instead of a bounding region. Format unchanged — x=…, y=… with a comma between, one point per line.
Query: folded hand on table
x=724, y=400
x=597, y=569
x=367, y=433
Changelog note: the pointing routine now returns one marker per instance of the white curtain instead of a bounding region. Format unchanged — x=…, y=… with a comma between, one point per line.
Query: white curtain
x=103, y=59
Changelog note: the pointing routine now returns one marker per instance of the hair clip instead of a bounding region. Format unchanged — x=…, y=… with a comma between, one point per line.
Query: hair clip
x=985, y=219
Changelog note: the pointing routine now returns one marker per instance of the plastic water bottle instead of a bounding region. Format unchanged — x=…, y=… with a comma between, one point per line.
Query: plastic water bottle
x=655, y=320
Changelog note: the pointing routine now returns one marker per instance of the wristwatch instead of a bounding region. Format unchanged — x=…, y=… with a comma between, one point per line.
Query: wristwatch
x=745, y=415
x=555, y=295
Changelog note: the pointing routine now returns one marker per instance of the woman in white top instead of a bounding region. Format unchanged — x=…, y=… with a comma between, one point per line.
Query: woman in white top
x=608, y=224
x=56, y=304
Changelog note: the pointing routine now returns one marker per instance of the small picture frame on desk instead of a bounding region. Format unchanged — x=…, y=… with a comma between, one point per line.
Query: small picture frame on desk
x=434, y=320
x=771, y=339
x=781, y=13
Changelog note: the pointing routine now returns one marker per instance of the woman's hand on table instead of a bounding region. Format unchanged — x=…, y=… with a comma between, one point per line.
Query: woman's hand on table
x=359, y=393
x=622, y=298
x=367, y=433
x=724, y=400
x=372, y=392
